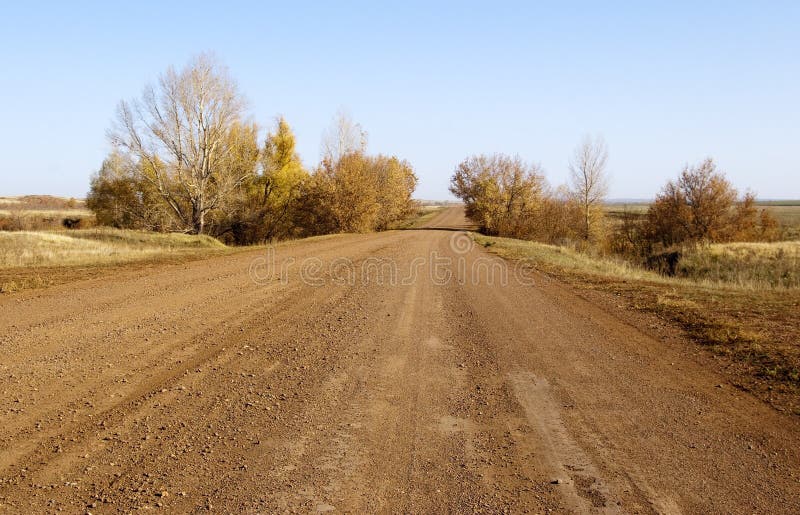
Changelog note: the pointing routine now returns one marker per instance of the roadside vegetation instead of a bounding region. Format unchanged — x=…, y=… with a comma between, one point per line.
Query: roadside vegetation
x=186, y=159
x=758, y=266
x=33, y=259
x=93, y=246
x=189, y=174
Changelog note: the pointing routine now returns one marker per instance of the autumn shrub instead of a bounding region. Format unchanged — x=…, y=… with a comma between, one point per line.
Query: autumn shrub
x=703, y=206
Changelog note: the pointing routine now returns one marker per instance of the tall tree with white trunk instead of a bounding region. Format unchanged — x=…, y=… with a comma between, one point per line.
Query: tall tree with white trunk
x=344, y=136
x=180, y=132
x=589, y=181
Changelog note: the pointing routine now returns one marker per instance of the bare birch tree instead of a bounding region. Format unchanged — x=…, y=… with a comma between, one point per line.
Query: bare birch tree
x=589, y=180
x=179, y=131
x=344, y=136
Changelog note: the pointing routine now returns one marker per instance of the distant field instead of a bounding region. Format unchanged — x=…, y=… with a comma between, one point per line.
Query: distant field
x=42, y=212
x=786, y=212
x=425, y=213
x=633, y=207
x=439, y=203
x=41, y=202
x=790, y=206
x=787, y=215
x=31, y=259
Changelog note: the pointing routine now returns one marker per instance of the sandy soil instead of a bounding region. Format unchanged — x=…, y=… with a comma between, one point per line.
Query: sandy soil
x=194, y=387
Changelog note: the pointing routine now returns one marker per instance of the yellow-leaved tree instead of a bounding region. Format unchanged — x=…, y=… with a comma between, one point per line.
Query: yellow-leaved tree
x=278, y=187
x=502, y=194
x=263, y=207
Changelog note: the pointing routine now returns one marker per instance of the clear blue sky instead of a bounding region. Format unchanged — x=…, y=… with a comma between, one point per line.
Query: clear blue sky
x=666, y=83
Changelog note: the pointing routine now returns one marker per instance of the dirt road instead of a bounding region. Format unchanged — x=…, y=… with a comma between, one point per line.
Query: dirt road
x=361, y=377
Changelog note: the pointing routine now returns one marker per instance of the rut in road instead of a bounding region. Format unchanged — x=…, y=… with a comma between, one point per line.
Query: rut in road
x=194, y=387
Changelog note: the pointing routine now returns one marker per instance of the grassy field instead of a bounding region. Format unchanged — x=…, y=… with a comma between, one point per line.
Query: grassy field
x=747, y=265
x=93, y=247
x=740, y=317
x=623, y=207
x=34, y=259
x=41, y=212
x=788, y=216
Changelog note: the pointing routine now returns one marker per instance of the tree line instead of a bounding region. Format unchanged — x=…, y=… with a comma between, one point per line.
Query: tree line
x=186, y=159
x=506, y=196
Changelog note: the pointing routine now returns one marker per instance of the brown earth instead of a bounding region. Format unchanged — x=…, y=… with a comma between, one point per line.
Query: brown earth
x=210, y=386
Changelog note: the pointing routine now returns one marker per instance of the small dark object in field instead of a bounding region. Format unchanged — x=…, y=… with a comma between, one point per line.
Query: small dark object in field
x=71, y=223
x=665, y=263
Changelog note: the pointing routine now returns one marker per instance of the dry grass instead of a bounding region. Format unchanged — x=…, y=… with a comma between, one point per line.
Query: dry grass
x=741, y=266
x=568, y=259
x=785, y=214
x=42, y=219
x=41, y=212
x=166, y=241
x=639, y=208
x=40, y=259
x=748, y=265
x=93, y=247
x=750, y=326
x=122, y=250
x=42, y=202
